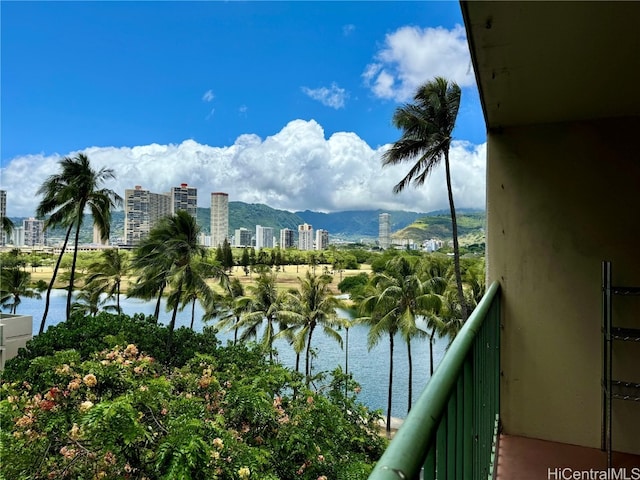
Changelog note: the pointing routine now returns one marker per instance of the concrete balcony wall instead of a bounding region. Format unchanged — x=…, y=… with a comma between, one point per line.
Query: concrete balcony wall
x=15, y=332
x=560, y=199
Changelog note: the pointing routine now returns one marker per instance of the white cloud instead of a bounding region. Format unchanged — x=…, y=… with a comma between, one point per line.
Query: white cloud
x=411, y=56
x=208, y=96
x=333, y=97
x=295, y=169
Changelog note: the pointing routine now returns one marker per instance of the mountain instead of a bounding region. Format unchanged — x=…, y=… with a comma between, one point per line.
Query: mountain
x=353, y=224
x=471, y=227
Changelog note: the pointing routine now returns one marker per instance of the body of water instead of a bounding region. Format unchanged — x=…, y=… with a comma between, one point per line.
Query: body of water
x=370, y=368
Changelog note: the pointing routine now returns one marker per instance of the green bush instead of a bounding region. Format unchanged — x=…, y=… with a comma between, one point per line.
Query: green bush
x=227, y=413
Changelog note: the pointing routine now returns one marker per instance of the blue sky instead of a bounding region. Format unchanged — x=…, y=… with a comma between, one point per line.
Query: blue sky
x=265, y=100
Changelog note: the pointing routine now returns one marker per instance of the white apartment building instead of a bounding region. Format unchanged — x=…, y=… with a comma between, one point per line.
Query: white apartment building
x=384, y=230
x=34, y=234
x=242, y=237
x=322, y=239
x=305, y=237
x=219, y=218
x=287, y=238
x=264, y=237
x=185, y=198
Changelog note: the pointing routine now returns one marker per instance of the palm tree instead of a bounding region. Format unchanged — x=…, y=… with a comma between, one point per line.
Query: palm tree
x=153, y=271
x=15, y=283
x=313, y=305
x=380, y=324
x=66, y=195
x=265, y=304
x=403, y=297
x=107, y=274
x=427, y=126
x=232, y=309
x=168, y=257
x=89, y=300
x=196, y=288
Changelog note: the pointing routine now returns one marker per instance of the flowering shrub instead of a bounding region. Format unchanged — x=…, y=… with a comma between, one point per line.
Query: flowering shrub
x=232, y=415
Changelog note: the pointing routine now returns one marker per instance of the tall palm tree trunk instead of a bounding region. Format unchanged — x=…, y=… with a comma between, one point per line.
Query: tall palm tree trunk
x=390, y=394
x=193, y=312
x=308, y=355
x=118, y=297
x=456, y=248
x=433, y=332
x=410, y=394
x=156, y=312
x=53, y=279
x=73, y=266
x=172, y=323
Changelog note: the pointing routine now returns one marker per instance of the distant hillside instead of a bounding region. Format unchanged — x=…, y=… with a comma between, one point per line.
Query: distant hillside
x=471, y=227
x=348, y=225
x=357, y=223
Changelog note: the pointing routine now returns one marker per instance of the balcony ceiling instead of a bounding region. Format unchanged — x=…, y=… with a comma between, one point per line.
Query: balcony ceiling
x=542, y=62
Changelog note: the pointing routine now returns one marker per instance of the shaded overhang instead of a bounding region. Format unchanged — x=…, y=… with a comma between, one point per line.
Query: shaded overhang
x=544, y=62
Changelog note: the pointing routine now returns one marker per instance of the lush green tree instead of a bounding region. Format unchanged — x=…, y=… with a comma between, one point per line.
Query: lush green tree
x=427, y=125
x=196, y=289
x=245, y=261
x=379, y=325
x=153, y=270
x=403, y=299
x=313, y=305
x=66, y=195
x=354, y=285
x=232, y=308
x=118, y=413
x=107, y=274
x=263, y=305
x=89, y=300
x=15, y=284
x=168, y=257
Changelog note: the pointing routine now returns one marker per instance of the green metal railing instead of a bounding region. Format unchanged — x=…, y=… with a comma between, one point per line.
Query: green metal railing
x=451, y=432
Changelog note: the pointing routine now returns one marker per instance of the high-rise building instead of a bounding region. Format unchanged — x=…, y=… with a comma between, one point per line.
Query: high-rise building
x=3, y=213
x=287, y=238
x=264, y=237
x=33, y=232
x=184, y=198
x=384, y=231
x=17, y=239
x=305, y=237
x=322, y=239
x=142, y=211
x=242, y=238
x=219, y=218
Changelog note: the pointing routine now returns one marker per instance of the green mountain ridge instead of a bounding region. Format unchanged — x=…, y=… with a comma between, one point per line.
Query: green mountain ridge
x=352, y=225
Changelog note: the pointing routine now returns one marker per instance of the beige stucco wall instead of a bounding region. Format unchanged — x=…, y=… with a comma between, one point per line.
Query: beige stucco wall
x=560, y=199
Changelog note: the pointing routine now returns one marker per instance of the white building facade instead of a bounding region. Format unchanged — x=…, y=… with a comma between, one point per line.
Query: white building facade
x=384, y=230
x=287, y=238
x=305, y=237
x=264, y=237
x=219, y=218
